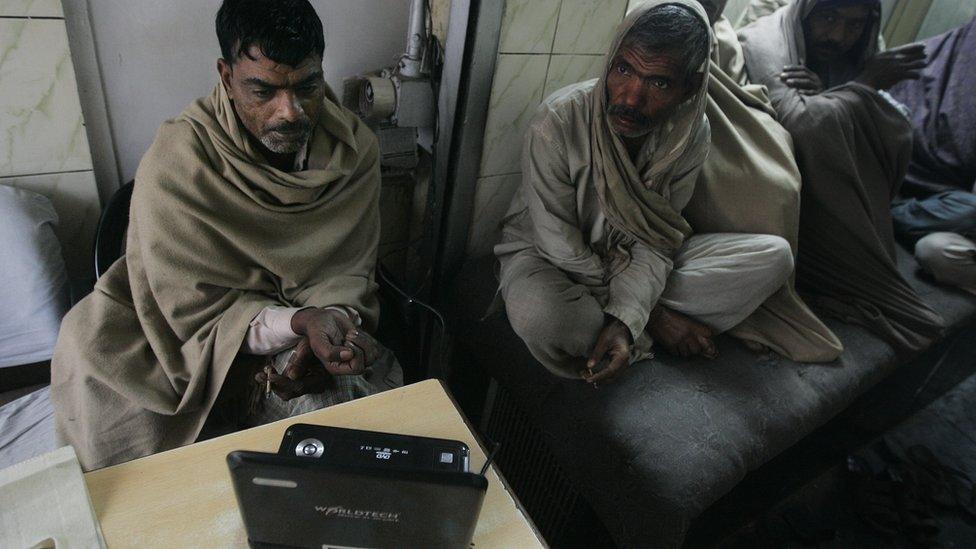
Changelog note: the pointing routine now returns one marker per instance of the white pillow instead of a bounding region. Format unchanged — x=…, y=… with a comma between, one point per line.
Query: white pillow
x=34, y=292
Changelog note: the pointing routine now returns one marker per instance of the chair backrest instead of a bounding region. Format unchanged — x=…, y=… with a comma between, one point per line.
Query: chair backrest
x=110, y=235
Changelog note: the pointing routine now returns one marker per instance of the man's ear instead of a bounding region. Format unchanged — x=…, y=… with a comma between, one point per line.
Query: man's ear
x=225, y=70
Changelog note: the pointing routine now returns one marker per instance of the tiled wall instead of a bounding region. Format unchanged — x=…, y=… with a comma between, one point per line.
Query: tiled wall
x=43, y=145
x=945, y=15
x=544, y=45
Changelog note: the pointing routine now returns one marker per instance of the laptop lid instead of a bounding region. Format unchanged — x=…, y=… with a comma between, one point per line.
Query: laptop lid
x=294, y=502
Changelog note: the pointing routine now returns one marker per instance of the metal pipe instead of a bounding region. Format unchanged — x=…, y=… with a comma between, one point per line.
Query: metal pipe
x=416, y=38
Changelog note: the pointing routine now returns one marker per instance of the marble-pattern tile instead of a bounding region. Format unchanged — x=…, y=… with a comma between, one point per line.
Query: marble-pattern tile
x=587, y=26
x=75, y=199
x=492, y=197
x=569, y=69
x=31, y=8
x=946, y=15
x=734, y=9
x=41, y=125
x=528, y=26
x=440, y=16
x=516, y=92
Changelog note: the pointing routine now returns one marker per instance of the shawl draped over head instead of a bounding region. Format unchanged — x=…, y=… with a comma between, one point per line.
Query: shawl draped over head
x=635, y=200
x=216, y=234
x=852, y=147
x=750, y=183
x=609, y=222
x=943, y=115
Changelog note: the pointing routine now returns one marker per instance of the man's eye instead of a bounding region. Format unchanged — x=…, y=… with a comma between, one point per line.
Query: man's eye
x=623, y=69
x=661, y=83
x=264, y=94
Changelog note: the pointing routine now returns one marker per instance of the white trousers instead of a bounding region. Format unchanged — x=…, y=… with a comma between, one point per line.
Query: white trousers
x=718, y=279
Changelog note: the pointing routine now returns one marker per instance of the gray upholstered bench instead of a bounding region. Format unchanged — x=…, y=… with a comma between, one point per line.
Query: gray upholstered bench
x=652, y=451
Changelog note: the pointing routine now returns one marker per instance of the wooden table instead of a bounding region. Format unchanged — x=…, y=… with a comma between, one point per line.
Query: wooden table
x=184, y=497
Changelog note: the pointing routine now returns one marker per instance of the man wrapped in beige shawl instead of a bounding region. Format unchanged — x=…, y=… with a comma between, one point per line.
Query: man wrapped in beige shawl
x=596, y=259
x=254, y=227
x=750, y=183
x=821, y=63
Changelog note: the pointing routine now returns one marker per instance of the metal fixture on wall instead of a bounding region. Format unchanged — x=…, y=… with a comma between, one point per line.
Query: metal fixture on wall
x=398, y=102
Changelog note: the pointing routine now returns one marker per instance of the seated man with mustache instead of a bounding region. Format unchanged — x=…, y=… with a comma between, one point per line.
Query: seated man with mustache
x=597, y=261
x=826, y=77
x=252, y=243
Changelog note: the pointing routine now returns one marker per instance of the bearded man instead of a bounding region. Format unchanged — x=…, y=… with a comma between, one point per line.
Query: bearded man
x=597, y=262
x=250, y=251
x=826, y=77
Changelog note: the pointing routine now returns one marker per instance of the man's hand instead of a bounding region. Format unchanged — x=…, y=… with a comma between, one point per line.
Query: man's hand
x=326, y=331
x=802, y=79
x=303, y=374
x=890, y=67
x=613, y=346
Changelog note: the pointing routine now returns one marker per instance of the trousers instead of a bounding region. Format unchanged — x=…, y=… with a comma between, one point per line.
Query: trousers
x=718, y=279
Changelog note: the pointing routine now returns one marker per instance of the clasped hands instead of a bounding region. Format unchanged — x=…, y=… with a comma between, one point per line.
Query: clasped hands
x=882, y=71
x=331, y=345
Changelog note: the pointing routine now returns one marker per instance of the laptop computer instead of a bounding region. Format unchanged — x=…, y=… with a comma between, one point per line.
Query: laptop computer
x=290, y=501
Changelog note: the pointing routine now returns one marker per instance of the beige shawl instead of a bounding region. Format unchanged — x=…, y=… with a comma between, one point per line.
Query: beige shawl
x=216, y=234
x=637, y=203
x=852, y=147
x=750, y=184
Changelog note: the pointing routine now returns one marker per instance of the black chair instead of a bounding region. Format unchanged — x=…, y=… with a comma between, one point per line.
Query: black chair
x=110, y=235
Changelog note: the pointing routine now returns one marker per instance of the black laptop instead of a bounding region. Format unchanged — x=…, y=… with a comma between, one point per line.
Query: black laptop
x=291, y=501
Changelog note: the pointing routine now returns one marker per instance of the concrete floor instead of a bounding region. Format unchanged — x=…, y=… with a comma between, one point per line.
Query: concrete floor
x=825, y=511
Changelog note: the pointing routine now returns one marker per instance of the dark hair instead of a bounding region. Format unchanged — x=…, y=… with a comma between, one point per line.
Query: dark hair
x=286, y=31
x=671, y=28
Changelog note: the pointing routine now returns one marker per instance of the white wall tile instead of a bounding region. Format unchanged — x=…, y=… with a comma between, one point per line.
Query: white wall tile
x=946, y=15
x=41, y=126
x=75, y=198
x=493, y=196
x=516, y=92
x=569, y=69
x=587, y=26
x=31, y=8
x=734, y=9
x=528, y=26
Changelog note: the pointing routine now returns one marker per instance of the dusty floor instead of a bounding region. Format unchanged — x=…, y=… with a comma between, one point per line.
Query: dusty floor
x=828, y=511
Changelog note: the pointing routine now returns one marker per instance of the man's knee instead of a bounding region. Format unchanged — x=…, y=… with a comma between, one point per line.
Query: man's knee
x=928, y=250
x=777, y=257
x=933, y=254
x=548, y=321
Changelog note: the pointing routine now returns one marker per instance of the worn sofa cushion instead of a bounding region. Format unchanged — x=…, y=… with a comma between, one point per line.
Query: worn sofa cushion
x=651, y=451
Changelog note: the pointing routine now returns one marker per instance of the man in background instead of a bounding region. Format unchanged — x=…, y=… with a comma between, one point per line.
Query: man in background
x=820, y=61
x=249, y=260
x=750, y=183
x=936, y=214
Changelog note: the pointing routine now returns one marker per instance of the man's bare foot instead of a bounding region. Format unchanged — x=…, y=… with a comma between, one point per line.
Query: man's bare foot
x=754, y=346
x=681, y=335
